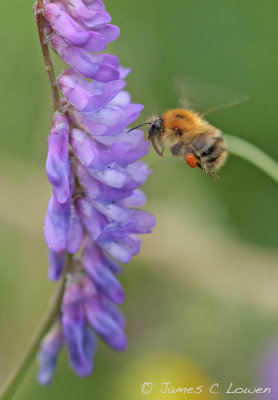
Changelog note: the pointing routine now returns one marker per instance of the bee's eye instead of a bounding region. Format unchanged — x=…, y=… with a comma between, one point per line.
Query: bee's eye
x=152, y=130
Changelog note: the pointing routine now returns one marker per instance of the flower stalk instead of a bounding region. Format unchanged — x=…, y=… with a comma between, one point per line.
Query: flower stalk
x=18, y=375
x=46, y=55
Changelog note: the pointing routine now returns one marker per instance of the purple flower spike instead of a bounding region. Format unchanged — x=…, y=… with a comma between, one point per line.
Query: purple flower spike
x=57, y=163
x=93, y=164
x=47, y=357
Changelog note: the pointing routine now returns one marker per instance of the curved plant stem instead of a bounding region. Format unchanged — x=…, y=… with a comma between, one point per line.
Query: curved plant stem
x=253, y=155
x=46, y=55
x=19, y=373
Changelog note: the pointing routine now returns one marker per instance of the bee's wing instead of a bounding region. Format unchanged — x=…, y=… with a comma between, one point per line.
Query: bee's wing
x=203, y=97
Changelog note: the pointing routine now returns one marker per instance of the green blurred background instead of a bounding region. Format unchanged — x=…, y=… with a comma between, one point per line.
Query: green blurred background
x=201, y=298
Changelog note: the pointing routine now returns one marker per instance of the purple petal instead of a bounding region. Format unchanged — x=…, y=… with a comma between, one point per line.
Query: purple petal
x=143, y=221
x=139, y=170
x=77, y=94
x=103, y=94
x=62, y=227
x=105, y=58
x=97, y=129
x=94, y=4
x=83, y=147
x=134, y=137
x=105, y=325
x=118, y=250
x=109, y=32
x=48, y=354
x=92, y=220
x=120, y=246
x=90, y=18
x=115, y=118
x=84, y=96
x=115, y=232
x=98, y=191
x=134, y=155
x=133, y=243
x=137, y=199
x=80, y=342
x=104, y=158
x=100, y=258
x=66, y=26
x=110, y=194
x=57, y=263
x=92, y=187
x=129, y=114
x=83, y=61
x=74, y=231
x=114, y=177
x=101, y=275
x=57, y=163
x=113, y=211
x=107, y=322
x=122, y=99
x=114, y=312
x=111, y=264
x=124, y=72
x=54, y=225
x=107, y=116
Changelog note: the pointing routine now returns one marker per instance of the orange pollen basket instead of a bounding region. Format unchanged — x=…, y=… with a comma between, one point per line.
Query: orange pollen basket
x=191, y=160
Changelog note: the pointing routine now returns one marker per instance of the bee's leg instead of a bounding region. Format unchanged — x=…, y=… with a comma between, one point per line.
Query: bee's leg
x=213, y=176
x=153, y=142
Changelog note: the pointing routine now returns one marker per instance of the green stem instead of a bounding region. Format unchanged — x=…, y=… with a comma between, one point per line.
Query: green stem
x=253, y=155
x=21, y=370
x=46, y=55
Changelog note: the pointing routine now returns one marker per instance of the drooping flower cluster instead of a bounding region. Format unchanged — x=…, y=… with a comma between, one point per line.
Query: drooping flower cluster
x=94, y=169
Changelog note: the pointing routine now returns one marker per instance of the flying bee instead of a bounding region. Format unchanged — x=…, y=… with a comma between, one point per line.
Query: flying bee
x=187, y=134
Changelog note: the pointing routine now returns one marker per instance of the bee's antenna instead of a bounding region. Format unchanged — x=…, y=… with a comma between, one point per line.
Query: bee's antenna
x=138, y=126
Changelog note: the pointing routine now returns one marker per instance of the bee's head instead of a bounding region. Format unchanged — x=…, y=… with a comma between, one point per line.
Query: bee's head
x=155, y=127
